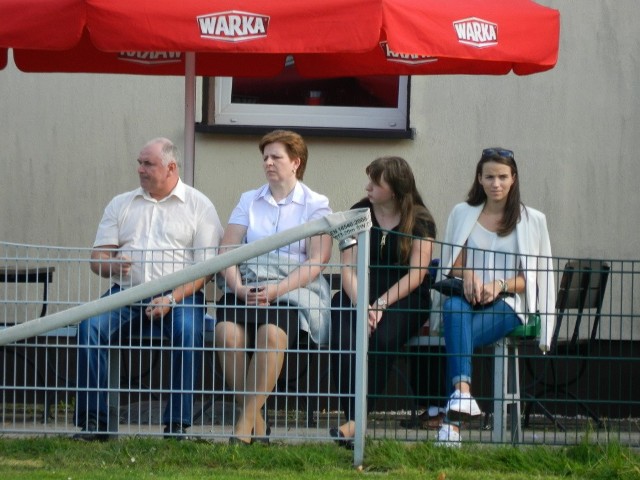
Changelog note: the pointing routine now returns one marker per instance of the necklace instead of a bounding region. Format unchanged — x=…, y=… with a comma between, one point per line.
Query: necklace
x=386, y=223
x=383, y=242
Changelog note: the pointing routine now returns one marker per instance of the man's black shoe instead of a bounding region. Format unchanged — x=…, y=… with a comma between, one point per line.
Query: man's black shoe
x=177, y=431
x=90, y=433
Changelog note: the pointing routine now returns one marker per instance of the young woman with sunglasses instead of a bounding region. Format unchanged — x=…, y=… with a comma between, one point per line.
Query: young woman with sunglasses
x=501, y=251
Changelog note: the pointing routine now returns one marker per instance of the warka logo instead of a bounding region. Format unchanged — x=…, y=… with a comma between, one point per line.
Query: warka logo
x=409, y=59
x=151, y=58
x=476, y=32
x=233, y=26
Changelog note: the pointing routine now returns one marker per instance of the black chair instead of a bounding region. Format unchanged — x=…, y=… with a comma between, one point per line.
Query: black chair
x=581, y=292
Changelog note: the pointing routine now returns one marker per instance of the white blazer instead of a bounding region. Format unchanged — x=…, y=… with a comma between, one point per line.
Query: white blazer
x=534, y=250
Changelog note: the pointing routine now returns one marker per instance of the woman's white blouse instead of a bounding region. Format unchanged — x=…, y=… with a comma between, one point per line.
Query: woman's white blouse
x=493, y=257
x=263, y=216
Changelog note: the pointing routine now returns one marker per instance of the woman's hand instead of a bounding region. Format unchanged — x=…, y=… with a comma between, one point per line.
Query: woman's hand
x=490, y=292
x=478, y=293
x=473, y=288
x=374, y=317
x=481, y=294
x=262, y=295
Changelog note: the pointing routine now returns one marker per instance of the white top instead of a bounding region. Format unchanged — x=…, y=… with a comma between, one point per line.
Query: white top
x=160, y=236
x=493, y=257
x=534, y=255
x=263, y=216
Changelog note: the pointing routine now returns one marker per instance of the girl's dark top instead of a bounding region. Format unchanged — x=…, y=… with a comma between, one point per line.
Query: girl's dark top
x=384, y=256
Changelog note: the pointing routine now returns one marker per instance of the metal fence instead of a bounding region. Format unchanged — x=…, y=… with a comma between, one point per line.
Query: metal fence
x=583, y=387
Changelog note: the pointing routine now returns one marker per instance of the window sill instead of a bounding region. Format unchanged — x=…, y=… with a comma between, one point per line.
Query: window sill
x=408, y=134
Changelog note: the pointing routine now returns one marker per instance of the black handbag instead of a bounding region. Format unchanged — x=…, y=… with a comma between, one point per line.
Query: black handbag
x=450, y=286
x=453, y=287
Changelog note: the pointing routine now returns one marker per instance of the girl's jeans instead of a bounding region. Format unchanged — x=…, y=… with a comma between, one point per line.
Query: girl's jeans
x=466, y=328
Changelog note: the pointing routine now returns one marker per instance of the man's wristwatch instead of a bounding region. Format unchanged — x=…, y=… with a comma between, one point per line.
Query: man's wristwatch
x=382, y=303
x=503, y=286
x=172, y=300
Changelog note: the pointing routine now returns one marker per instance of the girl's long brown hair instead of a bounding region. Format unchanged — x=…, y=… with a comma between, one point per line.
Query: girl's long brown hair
x=399, y=176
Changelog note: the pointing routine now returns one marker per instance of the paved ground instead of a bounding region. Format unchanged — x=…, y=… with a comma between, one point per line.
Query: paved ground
x=216, y=425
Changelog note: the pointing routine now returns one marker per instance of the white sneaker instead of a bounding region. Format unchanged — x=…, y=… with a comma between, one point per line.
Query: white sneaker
x=448, y=437
x=462, y=404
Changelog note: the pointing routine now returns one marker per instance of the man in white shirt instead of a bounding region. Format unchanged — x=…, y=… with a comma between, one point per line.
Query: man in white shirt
x=157, y=229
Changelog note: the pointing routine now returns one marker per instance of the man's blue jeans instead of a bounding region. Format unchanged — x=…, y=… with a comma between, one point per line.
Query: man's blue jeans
x=184, y=325
x=466, y=329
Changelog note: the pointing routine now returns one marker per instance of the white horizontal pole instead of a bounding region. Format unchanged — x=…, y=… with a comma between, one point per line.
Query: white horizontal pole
x=337, y=224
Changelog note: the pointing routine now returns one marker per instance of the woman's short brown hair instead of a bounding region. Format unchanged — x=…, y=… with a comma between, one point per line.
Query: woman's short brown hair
x=294, y=144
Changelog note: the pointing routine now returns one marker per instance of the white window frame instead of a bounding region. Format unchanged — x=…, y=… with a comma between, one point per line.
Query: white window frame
x=246, y=114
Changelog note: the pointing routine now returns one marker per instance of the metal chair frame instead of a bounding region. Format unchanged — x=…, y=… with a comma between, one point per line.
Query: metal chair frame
x=582, y=289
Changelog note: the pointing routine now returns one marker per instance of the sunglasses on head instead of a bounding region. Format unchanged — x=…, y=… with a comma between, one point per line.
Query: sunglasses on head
x=500, y=152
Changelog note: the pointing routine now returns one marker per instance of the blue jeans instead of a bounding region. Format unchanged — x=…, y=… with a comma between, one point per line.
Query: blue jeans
x=466, y=328
x=184, y=325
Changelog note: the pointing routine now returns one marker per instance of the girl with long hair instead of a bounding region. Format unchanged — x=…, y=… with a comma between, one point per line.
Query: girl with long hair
x=399, y=301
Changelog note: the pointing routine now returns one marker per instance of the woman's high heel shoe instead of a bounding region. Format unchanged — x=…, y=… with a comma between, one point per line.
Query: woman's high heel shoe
x=340, y=439
x=238, y=441
x=264, y=440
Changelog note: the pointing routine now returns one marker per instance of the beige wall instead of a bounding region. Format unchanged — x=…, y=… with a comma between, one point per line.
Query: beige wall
x=69, y=142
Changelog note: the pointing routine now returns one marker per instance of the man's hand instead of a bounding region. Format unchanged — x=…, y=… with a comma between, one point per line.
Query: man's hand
x=159, y=307
x=123, y=265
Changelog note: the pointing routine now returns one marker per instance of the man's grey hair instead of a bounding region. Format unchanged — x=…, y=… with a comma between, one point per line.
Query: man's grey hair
x=169, y=152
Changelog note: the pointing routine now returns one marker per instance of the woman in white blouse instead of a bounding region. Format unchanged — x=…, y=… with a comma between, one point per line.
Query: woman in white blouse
x=501, y=251
x=269, y=298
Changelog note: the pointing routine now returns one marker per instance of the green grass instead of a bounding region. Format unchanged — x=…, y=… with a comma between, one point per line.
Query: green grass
x=61, y=458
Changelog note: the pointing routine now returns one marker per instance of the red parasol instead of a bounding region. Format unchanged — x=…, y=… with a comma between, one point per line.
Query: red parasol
x=253, y=38
x=326, y=37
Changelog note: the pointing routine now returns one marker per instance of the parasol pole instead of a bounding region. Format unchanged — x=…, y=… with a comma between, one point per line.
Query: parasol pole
x=189, y=117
